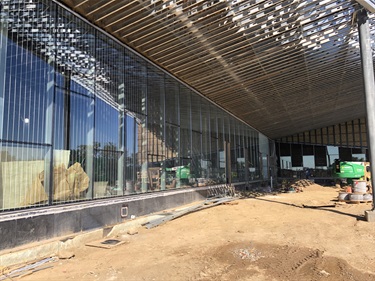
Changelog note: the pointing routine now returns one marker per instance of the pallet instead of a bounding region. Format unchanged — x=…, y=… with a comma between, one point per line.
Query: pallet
x=356, y=201
x=360, y=201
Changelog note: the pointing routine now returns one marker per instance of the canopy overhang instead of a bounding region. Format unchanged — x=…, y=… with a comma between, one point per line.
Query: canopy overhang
x=281, y=66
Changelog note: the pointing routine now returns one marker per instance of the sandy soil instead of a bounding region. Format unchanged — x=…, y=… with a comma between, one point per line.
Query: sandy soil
x=289, y=236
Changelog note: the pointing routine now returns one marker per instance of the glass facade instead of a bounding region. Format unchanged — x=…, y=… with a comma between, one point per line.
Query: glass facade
x=84, y=117
x=296, y=159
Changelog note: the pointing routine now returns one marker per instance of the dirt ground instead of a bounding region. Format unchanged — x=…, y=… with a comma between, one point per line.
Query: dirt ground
x=289, y=236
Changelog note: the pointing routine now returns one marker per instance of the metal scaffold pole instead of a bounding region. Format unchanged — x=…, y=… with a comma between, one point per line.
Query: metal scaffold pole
x=369, y=87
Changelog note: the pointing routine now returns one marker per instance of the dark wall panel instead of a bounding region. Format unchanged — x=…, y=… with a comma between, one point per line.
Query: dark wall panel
x=308, y=150
x=320, y=156
x=297, y=160
x=345, y=154
x=284, y=149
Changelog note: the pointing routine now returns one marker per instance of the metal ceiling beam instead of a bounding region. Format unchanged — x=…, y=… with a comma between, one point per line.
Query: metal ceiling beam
x=275, y=64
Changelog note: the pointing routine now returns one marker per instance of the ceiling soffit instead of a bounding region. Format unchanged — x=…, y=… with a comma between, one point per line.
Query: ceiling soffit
x=281, y=66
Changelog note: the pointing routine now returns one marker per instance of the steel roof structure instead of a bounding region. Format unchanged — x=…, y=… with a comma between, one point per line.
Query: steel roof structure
x=282, y=66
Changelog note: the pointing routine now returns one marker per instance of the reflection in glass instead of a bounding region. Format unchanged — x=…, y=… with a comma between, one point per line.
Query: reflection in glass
x=84, y=117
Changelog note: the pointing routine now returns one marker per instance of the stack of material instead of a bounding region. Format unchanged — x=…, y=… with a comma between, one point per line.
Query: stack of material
x=298, y=185
x=68, y=184
x=208, y=203
x=358, y=193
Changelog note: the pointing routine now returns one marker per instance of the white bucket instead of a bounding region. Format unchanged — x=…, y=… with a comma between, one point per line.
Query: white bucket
x=359, y=186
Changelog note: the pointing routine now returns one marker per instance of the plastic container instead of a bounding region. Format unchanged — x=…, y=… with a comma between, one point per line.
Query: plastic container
x=359, y=186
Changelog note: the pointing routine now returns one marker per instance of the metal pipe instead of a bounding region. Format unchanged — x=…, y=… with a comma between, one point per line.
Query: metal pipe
x=369, y=85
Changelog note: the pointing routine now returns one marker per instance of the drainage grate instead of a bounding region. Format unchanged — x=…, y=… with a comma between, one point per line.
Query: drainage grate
x=111, y=242
x=105, y=243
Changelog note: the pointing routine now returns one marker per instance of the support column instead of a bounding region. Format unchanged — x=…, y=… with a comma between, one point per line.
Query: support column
x=89, y=153
x=67, y=106
x=3, y=60
x=246, y=154
x=49, y=129
x=121, y=142
x=369, y=85
x=228, y=164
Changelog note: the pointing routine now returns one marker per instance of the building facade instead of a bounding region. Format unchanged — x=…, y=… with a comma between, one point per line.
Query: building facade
x=83, y=117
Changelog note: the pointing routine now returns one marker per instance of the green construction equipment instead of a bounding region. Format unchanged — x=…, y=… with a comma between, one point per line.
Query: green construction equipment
x=180, y=173
x=349, y=170
x=346, y=171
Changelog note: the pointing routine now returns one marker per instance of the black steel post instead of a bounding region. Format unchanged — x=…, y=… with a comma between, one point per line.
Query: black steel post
x=369, y=85
x=67, y=105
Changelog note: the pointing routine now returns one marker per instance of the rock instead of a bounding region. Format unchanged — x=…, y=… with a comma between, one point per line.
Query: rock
x=132, y=231
x=324, y=273
x=64, y=254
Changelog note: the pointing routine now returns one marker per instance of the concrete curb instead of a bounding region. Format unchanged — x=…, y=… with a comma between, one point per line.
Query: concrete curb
x=33, y=252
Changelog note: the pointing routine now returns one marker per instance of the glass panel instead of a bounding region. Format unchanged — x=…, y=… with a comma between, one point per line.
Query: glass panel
x=234, y=148
x=23, y=175
x=308, y=161
x=26, y=95
x=155, y=118
x=221, y=141
x=240, y=153
x=333, y=153
x=172, y=160
x=105, y=115
x=264, y=150
x=257, y=155
x=106, y=150
x=136, y=103
x=185, y=134
x=135, y=84
x=106, y=172
x=79, y=143
x=196, y=169
x=214, y=145
x=141, y=154
x=286, y=162
x=59, y=120
x=130, y=144
x=171, y=101
x=206, y=164
x=185, y=127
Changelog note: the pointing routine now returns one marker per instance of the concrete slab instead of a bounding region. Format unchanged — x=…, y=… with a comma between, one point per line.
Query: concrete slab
x=47, y=249
x=370, y=216
x=34, y=252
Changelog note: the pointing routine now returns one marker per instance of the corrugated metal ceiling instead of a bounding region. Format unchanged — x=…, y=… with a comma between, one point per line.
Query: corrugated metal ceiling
x=281, y=66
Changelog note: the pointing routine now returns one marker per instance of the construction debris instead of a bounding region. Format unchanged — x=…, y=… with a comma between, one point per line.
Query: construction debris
x=247, y=254
x=206, y=204
x=221, y=190
x=295, y=185
x=24, y=270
